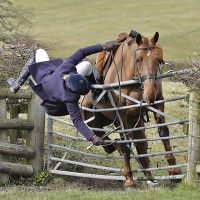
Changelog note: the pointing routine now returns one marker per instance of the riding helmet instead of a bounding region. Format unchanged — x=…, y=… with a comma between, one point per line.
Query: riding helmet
x=78, y=84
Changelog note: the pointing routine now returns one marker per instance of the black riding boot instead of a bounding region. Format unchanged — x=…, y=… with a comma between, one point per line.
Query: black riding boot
x=91, y=78
x=15, y=85
x=96, y=92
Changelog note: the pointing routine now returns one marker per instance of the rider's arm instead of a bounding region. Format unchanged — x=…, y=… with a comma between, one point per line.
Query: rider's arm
x=69, y=64
x=77, y=119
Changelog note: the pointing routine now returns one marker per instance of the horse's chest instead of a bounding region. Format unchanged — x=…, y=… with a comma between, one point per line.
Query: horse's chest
x=128, y=98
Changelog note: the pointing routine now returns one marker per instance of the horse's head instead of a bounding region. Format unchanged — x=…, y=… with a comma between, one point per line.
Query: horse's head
x=147, y=60
x=144, y=57
x=138, y=57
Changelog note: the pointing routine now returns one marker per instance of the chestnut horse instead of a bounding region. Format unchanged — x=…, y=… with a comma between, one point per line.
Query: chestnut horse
x=140, y=58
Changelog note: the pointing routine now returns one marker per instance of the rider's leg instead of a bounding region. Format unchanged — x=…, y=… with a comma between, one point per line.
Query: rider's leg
x=85, y=69
x=40, y=55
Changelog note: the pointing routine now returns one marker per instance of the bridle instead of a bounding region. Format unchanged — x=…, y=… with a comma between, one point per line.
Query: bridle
x=146, y=76
x=141, y=79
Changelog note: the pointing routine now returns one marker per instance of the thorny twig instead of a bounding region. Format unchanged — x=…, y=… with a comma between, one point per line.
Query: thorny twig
x=191, y=76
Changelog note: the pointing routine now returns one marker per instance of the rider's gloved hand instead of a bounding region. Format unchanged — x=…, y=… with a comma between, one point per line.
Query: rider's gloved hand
x=97, y=141
x=110, y=45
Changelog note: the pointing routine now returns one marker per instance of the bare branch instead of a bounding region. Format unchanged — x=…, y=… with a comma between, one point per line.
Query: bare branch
x=15, y=47
x=10, y=17
x=191, y=78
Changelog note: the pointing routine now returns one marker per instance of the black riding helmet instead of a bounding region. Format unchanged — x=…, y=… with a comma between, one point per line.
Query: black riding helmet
x=78, y=84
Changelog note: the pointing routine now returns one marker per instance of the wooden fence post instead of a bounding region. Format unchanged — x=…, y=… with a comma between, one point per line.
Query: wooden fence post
x=3, y=137
x=36, y=138
x=194, y=138
x=14, y=133
x=50, y=138
x=33, y=151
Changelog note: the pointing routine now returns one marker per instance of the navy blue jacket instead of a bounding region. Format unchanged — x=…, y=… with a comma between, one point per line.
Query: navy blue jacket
x=51, y=87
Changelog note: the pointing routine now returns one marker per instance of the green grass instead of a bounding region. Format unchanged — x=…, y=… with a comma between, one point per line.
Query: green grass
x=70, y=24
x=183, y=192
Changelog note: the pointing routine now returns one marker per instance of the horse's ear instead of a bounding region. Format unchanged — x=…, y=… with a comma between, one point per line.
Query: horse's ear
x=155, y=38
x=138, y=39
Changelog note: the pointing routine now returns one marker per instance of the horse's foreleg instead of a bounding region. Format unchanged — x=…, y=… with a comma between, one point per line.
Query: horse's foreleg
x=164, y=132
x=124, y=149
x=141, y=148
x=129, y=182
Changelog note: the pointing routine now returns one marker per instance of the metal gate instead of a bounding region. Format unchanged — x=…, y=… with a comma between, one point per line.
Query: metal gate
x=68, y=154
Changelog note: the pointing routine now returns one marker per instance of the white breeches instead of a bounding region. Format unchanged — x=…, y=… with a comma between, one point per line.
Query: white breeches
x=84, y=68
x=41, y=55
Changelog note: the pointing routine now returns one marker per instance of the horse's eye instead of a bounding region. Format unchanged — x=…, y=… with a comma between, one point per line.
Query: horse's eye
x=138, y=60
x=161, y=61
x=158, y=64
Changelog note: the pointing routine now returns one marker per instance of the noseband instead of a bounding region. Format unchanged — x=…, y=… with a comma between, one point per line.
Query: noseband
x=148, y=76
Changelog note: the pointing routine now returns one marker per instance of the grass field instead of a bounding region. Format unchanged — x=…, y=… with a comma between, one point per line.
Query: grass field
x=183, y=192
x=70, y=24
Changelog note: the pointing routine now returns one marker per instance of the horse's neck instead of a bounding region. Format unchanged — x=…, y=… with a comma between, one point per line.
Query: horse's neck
x=122, y=66
x=127, y=67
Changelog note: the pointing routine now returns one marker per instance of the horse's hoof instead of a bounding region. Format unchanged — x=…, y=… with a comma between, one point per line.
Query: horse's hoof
x=128, y=189
x=129, y=184
x=176, y=171
x=152, y=184
x=178, y=180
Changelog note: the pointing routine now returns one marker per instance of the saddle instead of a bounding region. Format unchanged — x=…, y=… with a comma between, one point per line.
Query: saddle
x=104, y=59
